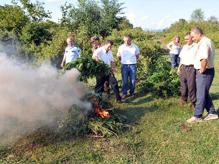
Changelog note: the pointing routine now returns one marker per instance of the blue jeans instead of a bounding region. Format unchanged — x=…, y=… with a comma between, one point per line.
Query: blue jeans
x=203, y=84
x=128, y=73
x=175, y=60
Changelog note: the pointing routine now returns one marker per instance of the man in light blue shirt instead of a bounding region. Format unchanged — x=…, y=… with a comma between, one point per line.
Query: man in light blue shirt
x=72, y=52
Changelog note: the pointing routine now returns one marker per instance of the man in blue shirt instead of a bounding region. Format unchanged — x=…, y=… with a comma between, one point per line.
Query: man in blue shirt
x=72, y=52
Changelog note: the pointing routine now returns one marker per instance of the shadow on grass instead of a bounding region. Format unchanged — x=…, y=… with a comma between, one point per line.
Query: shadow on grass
x=215, y=96
x=133, y=115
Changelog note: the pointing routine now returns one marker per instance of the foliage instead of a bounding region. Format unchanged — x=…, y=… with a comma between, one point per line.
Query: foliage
x=162, y=80
x=35, y=11
x=107, y=127
x=88, y=67
x=94, y=17
x=36, y=33
x=12, y=19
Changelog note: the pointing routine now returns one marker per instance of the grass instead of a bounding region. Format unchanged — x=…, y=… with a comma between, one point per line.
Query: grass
x=159, y=134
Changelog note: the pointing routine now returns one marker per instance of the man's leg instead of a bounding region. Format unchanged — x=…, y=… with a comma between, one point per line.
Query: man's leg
x=114, y=84
x=183, y=85
x=191, y=84
x=209, y=104
x=99, y=88
x=125, y=72
x=133, y=71
x=200, y=94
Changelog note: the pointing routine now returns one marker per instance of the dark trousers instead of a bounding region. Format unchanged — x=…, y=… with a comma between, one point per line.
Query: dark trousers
x=175, y=60
x=100, y=80
x=187, y=83
x=203, y=84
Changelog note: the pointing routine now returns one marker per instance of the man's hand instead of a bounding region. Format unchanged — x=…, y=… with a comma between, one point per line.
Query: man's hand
x=204, y=63
x=62, y=65
x=179, y=69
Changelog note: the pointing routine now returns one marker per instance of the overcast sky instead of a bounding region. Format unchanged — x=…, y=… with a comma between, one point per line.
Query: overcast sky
x=148, y=14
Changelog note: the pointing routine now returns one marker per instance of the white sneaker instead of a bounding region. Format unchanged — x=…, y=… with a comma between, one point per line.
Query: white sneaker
x=211, y=117
x=194, y=119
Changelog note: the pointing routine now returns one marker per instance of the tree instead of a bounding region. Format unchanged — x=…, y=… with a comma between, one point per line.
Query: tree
x=197, y=15
x=93, y=17
x=213, y=19
x=35, y=11
x=36, y=33
x=111, y=9
x=12, y=19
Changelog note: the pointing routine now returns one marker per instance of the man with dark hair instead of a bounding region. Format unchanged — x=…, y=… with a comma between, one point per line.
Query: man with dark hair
x=128, y=53
x=204, y=65
x=104, y=54
x=187, y=71
x=95, y=42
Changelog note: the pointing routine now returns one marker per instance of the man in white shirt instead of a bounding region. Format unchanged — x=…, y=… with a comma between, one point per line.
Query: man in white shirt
x=72, y=52
x=128, y=53
x=187, y=71
x=95, y=42
x=104, y=54
x=204, y=65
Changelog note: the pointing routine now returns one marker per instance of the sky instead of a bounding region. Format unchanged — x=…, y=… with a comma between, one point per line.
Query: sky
x=148, y=14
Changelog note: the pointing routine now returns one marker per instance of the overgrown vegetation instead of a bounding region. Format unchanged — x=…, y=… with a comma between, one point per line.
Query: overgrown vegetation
x=157, y=135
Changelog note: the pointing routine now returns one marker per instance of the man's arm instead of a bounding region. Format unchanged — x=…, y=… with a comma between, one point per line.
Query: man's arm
x=204, y=59
x=95, y=56
x=169, y=46
x=63, y=61
x=204, y=63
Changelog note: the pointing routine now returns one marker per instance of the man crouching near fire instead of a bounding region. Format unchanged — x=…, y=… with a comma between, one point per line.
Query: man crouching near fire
x=104, y=54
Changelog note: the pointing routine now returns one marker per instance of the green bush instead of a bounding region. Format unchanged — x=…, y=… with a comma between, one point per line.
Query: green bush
x=163, y=81
x=88, y=67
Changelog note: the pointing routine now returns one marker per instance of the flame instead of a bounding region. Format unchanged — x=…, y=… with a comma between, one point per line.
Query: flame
x=102, y=113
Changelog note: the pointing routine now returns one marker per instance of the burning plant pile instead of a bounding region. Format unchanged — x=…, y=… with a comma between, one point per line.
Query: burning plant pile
x=101, y=121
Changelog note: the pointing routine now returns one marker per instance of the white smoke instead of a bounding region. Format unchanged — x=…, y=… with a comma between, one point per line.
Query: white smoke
x=34, y=97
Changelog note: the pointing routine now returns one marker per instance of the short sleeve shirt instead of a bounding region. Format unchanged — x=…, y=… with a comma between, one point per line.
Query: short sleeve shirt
x=71, y=53
x=175, y=49
x=187, y=54
x=128, y=54
x=102, y=54
x=205, y=50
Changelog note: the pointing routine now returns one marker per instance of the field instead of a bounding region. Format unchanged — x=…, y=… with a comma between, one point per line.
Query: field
x=158, y=134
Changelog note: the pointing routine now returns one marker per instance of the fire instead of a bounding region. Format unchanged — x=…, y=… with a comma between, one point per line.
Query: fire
x=102, y=113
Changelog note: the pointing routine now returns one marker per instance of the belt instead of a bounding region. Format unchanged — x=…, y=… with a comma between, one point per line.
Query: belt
x=191, y=65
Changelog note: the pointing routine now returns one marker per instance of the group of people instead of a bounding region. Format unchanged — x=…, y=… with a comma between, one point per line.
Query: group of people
x=195, y=63
x=128, y=54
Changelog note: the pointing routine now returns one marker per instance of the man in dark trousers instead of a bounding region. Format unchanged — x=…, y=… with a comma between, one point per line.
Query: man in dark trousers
x=187, y=71
x=204, y=65
x=104, y=54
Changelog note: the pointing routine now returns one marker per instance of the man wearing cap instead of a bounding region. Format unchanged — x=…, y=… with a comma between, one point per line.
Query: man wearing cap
x=204, y=65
